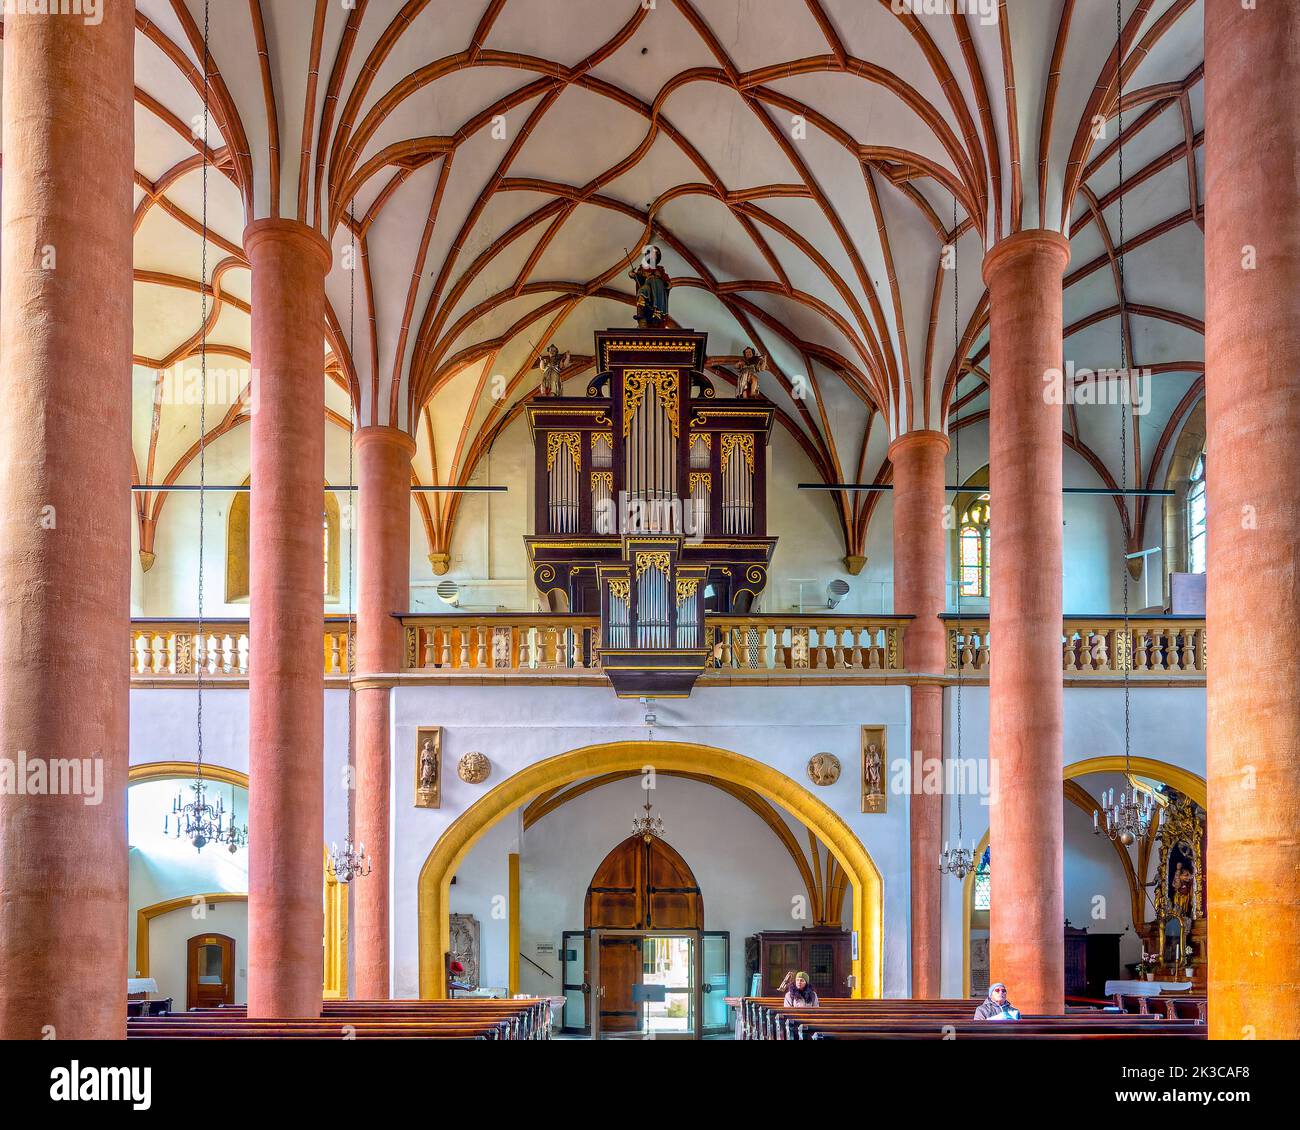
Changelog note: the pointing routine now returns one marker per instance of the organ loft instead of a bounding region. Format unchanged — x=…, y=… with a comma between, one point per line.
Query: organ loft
x=650, y=505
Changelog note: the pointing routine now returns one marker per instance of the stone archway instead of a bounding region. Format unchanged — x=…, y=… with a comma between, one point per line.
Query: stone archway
x=1184, y=780
x=591, y=761
x=335, y=980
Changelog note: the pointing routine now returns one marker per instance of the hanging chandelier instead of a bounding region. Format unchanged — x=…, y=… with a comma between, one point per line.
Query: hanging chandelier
x=957, y=861
x=1129, y=818
x=349, y=862
x=648, y=827
x=198, y=820
x=202, y=822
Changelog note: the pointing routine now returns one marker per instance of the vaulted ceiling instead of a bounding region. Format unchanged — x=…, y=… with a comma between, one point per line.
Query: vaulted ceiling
x=491, y=167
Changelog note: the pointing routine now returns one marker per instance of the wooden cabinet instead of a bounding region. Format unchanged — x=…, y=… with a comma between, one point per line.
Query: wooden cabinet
x=825, y=954
x=1090, y=961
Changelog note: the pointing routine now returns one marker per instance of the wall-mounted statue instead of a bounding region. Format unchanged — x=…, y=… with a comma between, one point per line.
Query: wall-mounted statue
x=751, y=364
x=428, y=767
x=873, y=769
x=652, y=283
x=552, y=363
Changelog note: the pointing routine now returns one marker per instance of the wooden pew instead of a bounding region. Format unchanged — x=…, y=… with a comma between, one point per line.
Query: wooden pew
x=769, y=1019
x=437, y=1020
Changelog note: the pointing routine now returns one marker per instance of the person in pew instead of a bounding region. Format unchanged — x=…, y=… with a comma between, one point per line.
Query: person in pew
x=996, y=1006
x=799, y=993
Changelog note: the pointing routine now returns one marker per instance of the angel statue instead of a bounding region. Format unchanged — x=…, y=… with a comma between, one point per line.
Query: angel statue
x=551, y=363
x=751, y=364
x=652, y=285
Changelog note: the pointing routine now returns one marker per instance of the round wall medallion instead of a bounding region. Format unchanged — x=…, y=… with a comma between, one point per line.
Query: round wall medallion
x=475, y=767
x=823, y=769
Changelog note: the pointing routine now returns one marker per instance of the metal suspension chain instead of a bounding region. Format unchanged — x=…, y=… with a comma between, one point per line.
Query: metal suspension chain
x=201, y=643
x=1125, y=348
x=956, y=431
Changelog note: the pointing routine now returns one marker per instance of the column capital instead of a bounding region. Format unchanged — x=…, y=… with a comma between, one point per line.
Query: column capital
x=921, y=437
x=385, y=434
x=287, y=231
x=1022, y=244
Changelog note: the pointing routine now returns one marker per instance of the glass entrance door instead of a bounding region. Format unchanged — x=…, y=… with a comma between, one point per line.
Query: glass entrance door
x=646, y=984
x=716, y=980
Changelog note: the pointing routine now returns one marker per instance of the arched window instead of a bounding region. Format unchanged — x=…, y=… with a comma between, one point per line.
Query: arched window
x=1185, y=509
x=971, y=540
x=981, y=892
x=973, y=544
x=237, y=527
x=1196, y=514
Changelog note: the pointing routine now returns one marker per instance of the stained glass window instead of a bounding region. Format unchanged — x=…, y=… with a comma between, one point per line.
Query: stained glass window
x=974, y=548
x=982, y=882
x=1196, y=518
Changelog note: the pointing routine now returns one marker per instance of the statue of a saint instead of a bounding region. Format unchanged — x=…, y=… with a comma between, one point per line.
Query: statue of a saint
x=652, y=285
x=1182, y=886
x=428, y=765
x=873, y=770
x=751, y=364
x=552, y=363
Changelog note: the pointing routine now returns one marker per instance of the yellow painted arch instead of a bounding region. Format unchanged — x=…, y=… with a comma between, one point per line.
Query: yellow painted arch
x=335, y=983
x=1184, y=780
x=613, y=757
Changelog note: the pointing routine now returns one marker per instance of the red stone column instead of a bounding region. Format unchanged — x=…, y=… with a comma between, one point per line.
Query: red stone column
x=286, y=606
x=65, y=545
x=920, y=590
x=1252, y=380
x=384, y=541
x=1026, y=825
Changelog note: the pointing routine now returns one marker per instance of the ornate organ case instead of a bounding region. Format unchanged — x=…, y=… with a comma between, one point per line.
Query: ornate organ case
x=650, y=505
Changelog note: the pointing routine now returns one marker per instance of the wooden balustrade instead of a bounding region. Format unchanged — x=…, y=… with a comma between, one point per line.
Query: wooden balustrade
x=738, y=645
x=806, y=643
x=174, y=649
x=1098, y=645
x=501, y=643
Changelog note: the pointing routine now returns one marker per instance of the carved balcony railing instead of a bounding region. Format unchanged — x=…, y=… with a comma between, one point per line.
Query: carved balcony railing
x=842, y=644
x=738, y=644
x=1096, y=645
x=162, y=649
x=501, y=643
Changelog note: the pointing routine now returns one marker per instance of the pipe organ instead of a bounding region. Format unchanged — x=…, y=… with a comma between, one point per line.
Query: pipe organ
x=650, y=505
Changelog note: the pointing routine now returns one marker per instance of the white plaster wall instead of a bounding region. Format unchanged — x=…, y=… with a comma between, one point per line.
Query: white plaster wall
x=163, y=728
x=1168, y=724
x=170, y=588
x=517, y=726
x=169, y=936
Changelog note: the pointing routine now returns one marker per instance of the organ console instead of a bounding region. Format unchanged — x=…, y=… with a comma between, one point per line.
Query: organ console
x=650, y=505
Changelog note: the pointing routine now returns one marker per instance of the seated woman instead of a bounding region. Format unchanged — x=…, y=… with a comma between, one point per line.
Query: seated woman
x=799, y=993
x=996, y=1006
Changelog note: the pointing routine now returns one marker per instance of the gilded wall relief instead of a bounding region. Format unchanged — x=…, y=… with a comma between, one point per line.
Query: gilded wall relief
x=874, y=765
x=428, y=767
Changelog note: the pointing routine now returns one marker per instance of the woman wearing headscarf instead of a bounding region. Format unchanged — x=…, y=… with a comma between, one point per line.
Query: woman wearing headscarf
x=799, y=992
x=996, y=1006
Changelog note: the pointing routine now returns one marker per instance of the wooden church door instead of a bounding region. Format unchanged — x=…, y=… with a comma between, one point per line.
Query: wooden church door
x=642, y=888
